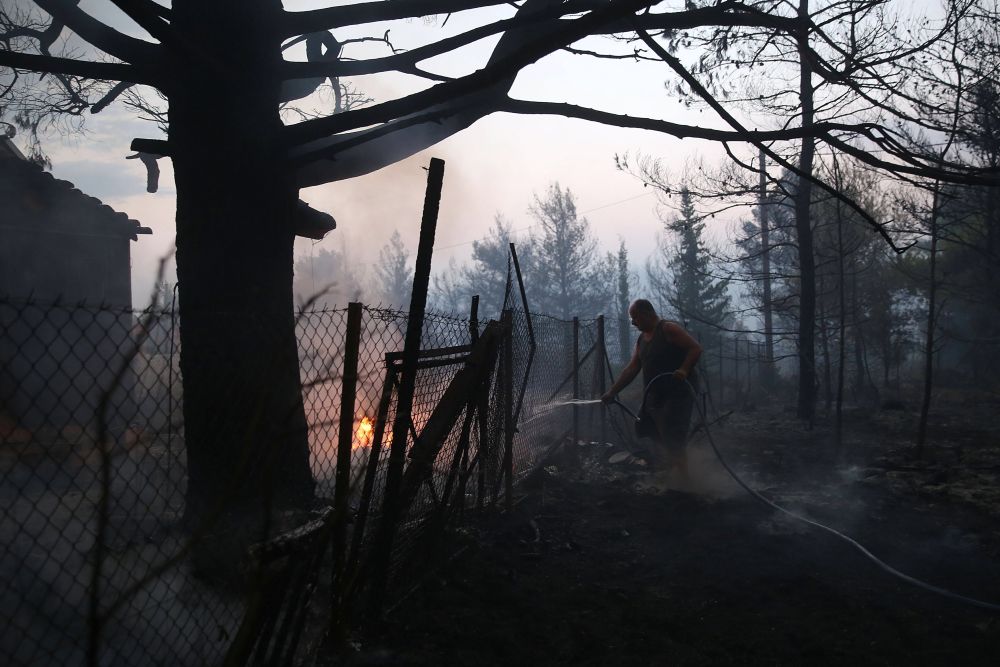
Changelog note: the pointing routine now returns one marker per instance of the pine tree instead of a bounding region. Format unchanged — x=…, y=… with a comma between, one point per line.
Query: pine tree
x=487, y=274
x=568, y=278
x=626, y=285
x=394, y=274
x=681, y=275
x=490, y=264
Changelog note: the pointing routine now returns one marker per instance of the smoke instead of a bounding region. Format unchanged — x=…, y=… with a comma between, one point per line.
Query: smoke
x=706, y=477
x=368, y=209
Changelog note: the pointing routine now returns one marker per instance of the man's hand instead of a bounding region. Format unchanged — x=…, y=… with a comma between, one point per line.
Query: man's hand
x=608, y=398
x=680, y=375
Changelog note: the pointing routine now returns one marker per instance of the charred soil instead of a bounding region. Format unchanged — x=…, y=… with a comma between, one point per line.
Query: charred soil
x=594, y=568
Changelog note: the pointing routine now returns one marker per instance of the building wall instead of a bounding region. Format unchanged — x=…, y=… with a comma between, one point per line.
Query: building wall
x=65, y=291
x=48, y=263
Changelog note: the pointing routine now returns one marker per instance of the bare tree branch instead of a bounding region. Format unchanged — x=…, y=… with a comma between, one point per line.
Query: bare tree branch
x=676, y=65
x=149, y=16
x=107, y=39
x=73, y=67
x=110, y=96
x=722, y=14
x=682, y=131
x=491, y=81
x=297, y=23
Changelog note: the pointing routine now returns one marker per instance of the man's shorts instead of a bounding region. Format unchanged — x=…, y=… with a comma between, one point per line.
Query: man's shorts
x=672, y=416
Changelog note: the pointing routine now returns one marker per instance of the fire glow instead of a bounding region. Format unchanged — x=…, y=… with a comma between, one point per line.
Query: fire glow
x=363, y=434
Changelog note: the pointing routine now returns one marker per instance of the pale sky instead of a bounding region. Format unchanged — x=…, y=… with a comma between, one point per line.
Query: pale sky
x=494, y=166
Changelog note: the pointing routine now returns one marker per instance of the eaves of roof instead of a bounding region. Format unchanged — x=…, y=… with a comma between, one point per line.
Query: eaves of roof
x=34, y=197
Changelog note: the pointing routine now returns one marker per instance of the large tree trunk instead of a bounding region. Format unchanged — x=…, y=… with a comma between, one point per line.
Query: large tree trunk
x=245, y=428
x=929, y=340
x=807, y=289
x=842, y=327
x=803, y=228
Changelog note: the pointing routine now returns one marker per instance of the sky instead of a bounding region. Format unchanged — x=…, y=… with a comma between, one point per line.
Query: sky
x=496, y=166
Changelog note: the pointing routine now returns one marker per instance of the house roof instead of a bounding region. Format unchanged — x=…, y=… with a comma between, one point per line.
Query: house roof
x=34, y=198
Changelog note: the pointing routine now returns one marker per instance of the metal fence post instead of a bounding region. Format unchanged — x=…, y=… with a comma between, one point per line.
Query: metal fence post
x=484, y=452
x=170, y=382
x=508, y=406
x=532, y=345
x=482, y=407
x=737, y=388
x=576, y=379
x=471, y=408
x=374, y=453
x=345, y=439
x=600, y=375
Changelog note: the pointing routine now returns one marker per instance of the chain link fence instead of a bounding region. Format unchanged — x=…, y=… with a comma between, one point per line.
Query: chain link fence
x=92, y=445
x=96, y=556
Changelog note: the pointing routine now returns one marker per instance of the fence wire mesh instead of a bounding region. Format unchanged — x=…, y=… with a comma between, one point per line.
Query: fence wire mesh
x=95, y=556
x=90, y=404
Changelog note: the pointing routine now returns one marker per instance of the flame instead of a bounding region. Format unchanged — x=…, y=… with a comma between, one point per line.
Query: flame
x=364, y=433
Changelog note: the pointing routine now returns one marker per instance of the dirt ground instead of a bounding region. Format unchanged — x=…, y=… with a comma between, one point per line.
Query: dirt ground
x=593, y=568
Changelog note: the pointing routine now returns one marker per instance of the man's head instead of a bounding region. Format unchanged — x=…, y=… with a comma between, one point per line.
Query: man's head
x=643, y=315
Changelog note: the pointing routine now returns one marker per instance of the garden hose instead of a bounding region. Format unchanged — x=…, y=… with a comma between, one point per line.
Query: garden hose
x=645, y=393
x=854, y=543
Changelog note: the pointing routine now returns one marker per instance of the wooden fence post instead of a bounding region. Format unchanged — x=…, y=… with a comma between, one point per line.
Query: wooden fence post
x=382, y=552
x=474, y=320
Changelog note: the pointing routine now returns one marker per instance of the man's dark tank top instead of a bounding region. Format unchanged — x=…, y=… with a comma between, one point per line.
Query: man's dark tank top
x=658, y=355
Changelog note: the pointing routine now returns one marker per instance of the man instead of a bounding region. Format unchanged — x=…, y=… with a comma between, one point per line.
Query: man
x=663, y=347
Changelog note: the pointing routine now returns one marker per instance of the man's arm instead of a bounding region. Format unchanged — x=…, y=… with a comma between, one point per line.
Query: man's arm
x=627, y=375
x=676, y=335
